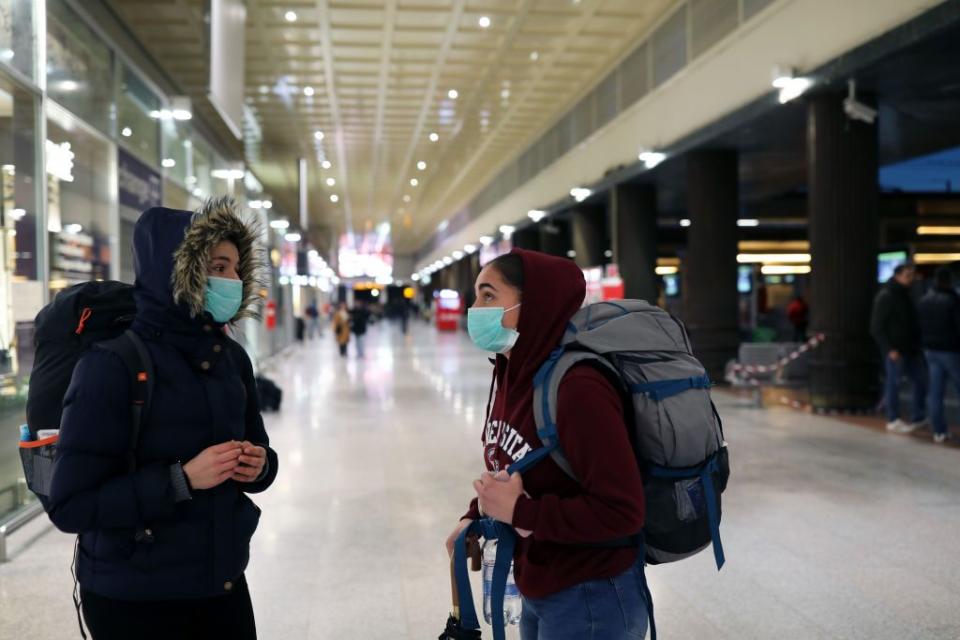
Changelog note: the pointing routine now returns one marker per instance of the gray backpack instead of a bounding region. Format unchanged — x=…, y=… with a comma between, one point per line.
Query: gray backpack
x=675, y=428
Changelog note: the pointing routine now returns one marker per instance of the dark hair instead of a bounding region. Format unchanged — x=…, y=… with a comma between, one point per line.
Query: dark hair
x=510, y=266
x=944, y=278
x=900, y=268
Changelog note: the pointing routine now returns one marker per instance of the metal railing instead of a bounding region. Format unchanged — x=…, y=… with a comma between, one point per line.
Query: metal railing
x=15, y=521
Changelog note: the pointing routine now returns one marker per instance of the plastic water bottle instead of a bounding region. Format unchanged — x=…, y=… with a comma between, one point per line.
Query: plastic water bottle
x=25, y=435
x=512, y=605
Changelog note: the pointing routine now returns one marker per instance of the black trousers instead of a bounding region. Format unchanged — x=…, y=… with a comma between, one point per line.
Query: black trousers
x=228, y=616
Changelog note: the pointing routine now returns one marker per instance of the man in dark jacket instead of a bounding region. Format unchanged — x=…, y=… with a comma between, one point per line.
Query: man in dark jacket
x=940, y=328
x=163, y=549
x=895, y=327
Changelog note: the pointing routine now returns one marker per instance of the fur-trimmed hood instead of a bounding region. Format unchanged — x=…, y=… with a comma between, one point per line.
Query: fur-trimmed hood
x=171, y=249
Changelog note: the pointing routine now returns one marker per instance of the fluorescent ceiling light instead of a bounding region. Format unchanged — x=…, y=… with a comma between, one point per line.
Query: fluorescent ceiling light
x=507, y=230
x=290, y=16
x=292, y=237
x=469, y=248
x=181, y=114
x=931, y=230
x=447, y=260
x=457, y=255
x=784, y=269
x=168, y=163
x=580, y=193
x=484, y=22
x=414, y=182
x=536, y=215
x=334, y=198
x=126, y=132
x=255, y=204
x=571, y=254
x=667, y=271
x=791, y=87
x=748, y=222
x=279, y=224
x=267, y=204
x=421, y=165
x=685, y=222
x=326, y=164
x=308, y=91
x=453, y=94
x=415, y=277
x=651, y=159
x=777, y=258
x=227, y=174
x=331, y=182
x=73, y=228
x=486, y=240
x=935, y=258
x=434, y=137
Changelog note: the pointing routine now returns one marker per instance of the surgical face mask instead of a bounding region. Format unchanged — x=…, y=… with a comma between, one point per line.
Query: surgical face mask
x=485, y=325
x=223, y=298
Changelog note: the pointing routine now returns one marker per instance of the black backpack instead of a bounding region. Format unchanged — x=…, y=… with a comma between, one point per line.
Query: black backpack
x=82, y=317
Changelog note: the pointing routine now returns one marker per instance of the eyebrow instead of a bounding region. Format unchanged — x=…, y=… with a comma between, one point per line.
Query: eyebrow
x=488, y=286
x=222, y=258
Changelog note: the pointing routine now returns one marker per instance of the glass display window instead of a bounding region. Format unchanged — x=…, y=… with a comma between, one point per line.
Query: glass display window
x=17, y=39
x=81, y=200
x=79, y=67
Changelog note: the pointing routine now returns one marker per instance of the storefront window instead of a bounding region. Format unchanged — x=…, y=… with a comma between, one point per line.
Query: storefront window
x=78, y=67
x=17, y=35
x=21, y=290
x=177, y=150
x=139, y=131
x=80, y=202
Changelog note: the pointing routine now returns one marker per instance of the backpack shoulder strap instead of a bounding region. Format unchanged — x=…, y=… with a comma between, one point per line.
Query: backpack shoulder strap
x=133, y=352
x=546, y=390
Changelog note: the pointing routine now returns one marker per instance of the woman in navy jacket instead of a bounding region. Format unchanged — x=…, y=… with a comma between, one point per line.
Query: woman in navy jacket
x=162, y=551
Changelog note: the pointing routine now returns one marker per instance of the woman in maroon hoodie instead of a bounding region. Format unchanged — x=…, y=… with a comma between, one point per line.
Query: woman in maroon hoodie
x=573, y=586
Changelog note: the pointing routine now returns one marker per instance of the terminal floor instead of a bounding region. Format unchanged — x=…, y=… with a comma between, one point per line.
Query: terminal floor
x=831, y=530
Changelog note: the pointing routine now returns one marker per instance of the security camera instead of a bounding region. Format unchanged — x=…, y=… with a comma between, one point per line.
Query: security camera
x=855, y=109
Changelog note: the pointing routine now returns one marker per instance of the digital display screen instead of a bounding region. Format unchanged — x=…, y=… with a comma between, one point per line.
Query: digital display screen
x=745, y=279
x=671, y=285
x=887, y=262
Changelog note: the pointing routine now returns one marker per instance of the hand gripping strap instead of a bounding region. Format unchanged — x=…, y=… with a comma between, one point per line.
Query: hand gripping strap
x=488, y=529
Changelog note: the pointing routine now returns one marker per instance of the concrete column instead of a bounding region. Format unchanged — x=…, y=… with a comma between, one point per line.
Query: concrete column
x=843, y=226
x=633, y=228
x=527, y=238
x=555, y=237
x=589, y=235
x=710, y=298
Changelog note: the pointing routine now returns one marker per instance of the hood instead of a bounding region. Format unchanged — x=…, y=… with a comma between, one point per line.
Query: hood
x=170, y=249
x=553, y=291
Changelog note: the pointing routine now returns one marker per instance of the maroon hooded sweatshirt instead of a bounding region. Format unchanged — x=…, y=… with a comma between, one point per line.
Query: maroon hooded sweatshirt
x=564, y=515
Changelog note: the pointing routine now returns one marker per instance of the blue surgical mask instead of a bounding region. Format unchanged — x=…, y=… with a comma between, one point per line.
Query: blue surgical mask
x=485, y=325
x=223, y=298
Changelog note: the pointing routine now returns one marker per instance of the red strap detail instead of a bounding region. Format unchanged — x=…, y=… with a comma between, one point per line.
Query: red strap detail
x=84, y=316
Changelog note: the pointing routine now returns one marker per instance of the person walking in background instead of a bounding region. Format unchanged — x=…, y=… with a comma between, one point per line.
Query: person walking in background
x=940, y=332
x=798, y=313
x=313, y=321
x=341, y=328
x=895, y=327
x=359, y=320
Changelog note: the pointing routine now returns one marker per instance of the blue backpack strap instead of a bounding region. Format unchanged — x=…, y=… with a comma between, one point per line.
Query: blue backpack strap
x=506, y=539
x=705, y=473
x=663, y=389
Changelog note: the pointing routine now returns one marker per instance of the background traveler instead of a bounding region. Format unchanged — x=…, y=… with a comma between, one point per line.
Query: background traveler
x=940, y=331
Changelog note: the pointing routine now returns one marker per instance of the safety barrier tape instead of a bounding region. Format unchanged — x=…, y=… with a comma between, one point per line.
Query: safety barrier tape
x=752, y=370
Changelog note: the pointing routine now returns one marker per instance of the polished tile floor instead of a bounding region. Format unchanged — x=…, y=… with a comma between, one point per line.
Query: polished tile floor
x=831, y=530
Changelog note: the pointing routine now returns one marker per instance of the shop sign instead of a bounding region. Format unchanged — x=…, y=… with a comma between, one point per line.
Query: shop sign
x=140, y=186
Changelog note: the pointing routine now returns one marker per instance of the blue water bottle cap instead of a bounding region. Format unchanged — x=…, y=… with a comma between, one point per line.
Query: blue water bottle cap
x=25, y=433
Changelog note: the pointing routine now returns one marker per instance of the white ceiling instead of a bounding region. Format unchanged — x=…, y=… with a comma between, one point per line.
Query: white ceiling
x=381, y=72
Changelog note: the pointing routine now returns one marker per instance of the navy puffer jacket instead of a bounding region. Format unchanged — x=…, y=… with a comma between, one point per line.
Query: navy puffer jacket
x=204, y=394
